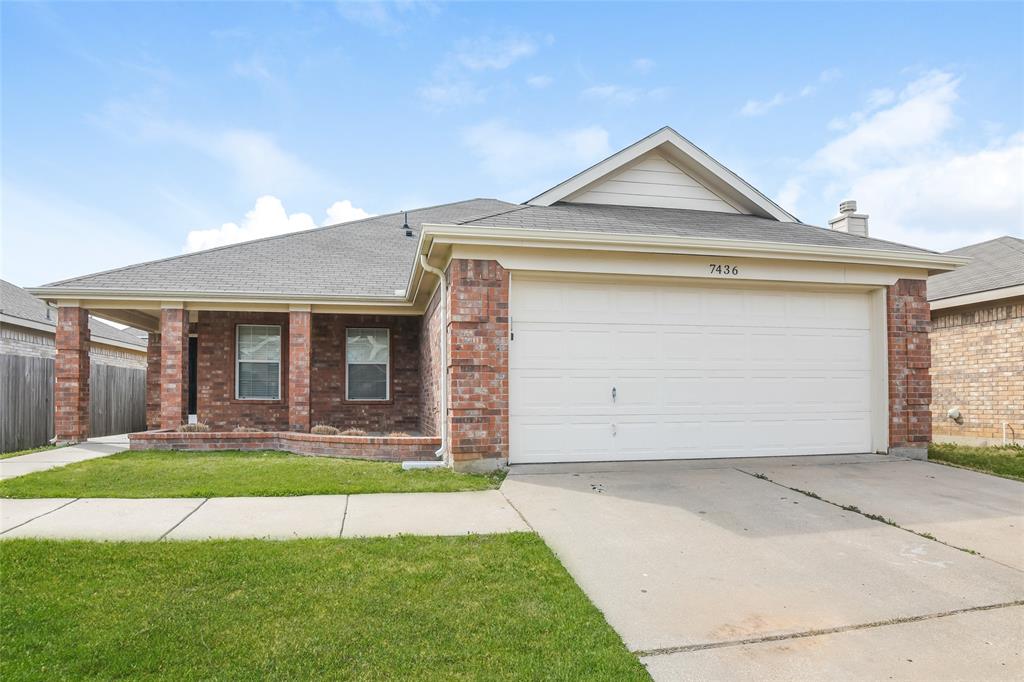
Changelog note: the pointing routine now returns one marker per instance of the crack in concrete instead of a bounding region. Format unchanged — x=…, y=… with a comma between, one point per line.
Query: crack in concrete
x=874, y=517
x=824, y=631
x=41, y=515
x=183, y=519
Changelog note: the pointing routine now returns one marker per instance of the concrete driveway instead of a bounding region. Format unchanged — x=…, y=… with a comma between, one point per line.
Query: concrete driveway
x=724, y=569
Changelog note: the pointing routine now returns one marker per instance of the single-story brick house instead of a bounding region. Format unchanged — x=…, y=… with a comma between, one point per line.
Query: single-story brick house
x=653, y=306
x=977, y=343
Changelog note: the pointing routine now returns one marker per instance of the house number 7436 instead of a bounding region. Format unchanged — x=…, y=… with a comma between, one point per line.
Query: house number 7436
x=717, y=269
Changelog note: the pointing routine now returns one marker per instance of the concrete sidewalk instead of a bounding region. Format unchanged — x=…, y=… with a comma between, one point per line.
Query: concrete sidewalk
x=58, y=457
x=278, y=518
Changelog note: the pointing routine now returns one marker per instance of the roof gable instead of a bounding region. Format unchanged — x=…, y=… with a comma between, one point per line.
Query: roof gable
x=701, y=182
x=653, y=181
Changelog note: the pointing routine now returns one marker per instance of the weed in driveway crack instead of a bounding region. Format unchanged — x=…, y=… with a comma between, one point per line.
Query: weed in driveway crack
x=856, y=510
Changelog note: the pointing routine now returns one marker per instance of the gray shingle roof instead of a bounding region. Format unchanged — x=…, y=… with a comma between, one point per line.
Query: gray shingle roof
x=373, y=257
x=369, y=257
x=995, y=264
x=16, y=302
x=674, y=222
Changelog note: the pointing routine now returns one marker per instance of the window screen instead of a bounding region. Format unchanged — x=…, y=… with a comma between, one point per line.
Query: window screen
x=367, y=354
x=258, y=371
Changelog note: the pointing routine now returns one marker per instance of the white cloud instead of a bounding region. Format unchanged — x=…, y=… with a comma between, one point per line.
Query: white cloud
x=643, y=65
x=946, y=200
x=618, y=94
x=897, y=158
x=441, y=95
x=343, y=212
x=759, y=107
x=387, y=18
x=923, y=113
x=260, y=165
x=92, y=238
x=539, y=81
x=267, y=219
x=510, y=153
x=488, y=53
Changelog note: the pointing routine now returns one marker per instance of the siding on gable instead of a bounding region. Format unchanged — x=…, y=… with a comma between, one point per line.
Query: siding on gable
x=654, y=181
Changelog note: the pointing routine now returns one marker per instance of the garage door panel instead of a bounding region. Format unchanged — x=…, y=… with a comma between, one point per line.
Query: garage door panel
x=699, y=371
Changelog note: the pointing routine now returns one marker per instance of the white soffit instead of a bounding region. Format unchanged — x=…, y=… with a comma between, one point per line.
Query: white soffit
x=664, y=170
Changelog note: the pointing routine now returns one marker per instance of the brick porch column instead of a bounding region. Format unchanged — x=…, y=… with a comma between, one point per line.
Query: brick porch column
x=71, y=422
x=153, y=381
x=173, y=367
x=910, y=383
x=300, y=353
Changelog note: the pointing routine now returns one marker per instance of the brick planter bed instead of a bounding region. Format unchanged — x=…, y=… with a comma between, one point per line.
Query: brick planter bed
x=384, y=448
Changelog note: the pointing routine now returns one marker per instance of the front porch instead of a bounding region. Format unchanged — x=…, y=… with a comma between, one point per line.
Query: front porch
x=261, y=380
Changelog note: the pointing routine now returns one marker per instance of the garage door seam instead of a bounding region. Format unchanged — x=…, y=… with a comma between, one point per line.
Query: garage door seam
x=824, y=631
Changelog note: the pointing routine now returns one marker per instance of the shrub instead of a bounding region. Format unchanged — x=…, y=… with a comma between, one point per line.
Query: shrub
x=247, y=429
x=353, y=432
x=324, y=430
x=398, y=434
x=198, y=427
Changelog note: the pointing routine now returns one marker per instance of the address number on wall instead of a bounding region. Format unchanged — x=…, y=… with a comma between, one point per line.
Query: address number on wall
x=717, y=269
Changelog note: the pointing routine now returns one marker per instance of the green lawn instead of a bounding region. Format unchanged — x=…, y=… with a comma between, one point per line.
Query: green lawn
x=162, y=473
x=15, y=453
x=1007, y=461
x=474, y=607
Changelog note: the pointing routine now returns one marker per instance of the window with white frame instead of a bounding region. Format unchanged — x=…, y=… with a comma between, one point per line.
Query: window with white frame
x=368, y=363
x=258, y=362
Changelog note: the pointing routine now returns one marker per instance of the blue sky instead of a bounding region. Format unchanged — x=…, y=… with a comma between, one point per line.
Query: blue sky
x=137, y=131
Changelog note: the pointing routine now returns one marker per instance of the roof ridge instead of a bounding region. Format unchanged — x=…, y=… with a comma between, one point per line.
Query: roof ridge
x=321, y=228
x=1011, y=237
x=518, y=207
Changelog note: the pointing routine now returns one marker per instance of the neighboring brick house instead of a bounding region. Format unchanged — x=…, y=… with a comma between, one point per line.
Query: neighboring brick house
x=28, y=328
x=977, y=343
x=652, y=306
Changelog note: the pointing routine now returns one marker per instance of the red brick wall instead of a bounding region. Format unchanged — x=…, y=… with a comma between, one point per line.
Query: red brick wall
x=362, y=447
x=328, y=403
x=218, y=406
x=478, y=333
x=215, y=398
x=71, y=392
x=153, y=381
x=299, y=357
x=910, y=388
x=173, y=367
x=430, y=366
x=978, y=366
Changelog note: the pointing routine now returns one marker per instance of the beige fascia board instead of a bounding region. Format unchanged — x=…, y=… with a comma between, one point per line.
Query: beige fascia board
x=607, y=241
x=979, y=297
x=12, y=321
x=154, y=299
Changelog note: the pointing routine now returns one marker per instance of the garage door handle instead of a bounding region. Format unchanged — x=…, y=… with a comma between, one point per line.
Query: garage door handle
x=613, y=394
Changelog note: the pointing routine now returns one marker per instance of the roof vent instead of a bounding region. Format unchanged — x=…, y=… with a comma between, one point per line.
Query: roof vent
x=405, y=226
x=849, y=220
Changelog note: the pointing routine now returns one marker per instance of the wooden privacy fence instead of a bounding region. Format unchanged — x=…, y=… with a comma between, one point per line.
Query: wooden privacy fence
x=117, y=401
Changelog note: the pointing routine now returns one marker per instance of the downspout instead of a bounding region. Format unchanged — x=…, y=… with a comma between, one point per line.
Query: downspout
x=442, y=452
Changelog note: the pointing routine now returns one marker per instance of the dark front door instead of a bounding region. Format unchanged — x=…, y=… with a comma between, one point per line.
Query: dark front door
x=193, y=360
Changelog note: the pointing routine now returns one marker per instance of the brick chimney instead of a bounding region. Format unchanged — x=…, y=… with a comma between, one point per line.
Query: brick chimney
x=849, y=220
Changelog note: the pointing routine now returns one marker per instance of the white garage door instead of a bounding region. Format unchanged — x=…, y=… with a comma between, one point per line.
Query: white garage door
x=641, y=371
